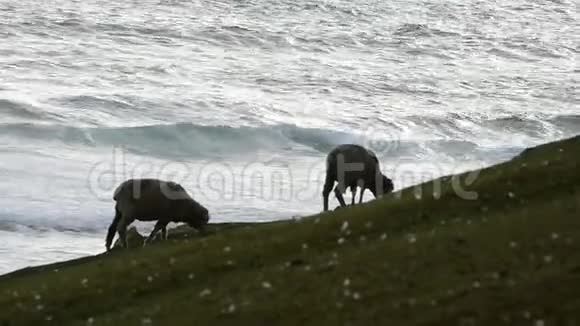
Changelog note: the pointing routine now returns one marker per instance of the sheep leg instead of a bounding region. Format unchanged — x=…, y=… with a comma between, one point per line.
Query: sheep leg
x=338, y=193
x=362, y=191
x=353, y=191
x=326, y=191
x=122, y=229
x=159, y=226
x=112, y=229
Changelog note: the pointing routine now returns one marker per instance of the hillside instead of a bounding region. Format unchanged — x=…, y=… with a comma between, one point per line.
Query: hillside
x=510, y=257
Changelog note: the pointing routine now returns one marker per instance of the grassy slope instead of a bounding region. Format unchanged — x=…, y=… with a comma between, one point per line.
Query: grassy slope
x=510, y=257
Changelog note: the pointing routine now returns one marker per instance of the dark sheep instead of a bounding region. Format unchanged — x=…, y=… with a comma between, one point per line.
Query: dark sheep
x=353, y=166
x=153, y=200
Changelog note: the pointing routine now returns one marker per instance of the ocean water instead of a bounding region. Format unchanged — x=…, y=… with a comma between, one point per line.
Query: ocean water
x=241, y=100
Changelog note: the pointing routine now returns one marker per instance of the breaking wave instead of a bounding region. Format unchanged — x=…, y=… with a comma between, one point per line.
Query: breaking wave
x=186, y=139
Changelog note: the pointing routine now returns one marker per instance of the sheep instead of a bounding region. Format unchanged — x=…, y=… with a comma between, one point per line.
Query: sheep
x=353, y=166
x=153, y=200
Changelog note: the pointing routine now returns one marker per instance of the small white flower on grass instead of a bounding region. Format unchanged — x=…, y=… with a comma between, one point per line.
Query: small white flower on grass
x=230, y=263
x=412, y=302
x=266, y=285
x=511, y=195
x=546, y=163
x=383, y=236
x=91, y=320
x=146, y=321
x=48, y=318
x=555, y=236
x=340, y=241
x=356, y=296
x=37, y=297
x=304, y=246
x=548, y=259
x=526, y=314
x=149, y=278
x=191, y=276
x=539, y=322
x=15, y=294
x=85, y=282
x=344, y=226
x=231, y=308
x=39, y=307
x=227, y=249
x=363, y=238
x=172, y=261
x=346, y=282
x=204, y=293
x=476, y=285
x=307, y=268
x=513, y=244
x=412, y=238
x=369, y=224
x=433, y=303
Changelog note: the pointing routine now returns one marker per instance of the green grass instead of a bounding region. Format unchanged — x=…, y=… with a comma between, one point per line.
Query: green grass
x=510, y=257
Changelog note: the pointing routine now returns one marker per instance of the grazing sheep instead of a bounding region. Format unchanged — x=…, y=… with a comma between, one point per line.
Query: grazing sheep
x=153, y=200
x=353, y=166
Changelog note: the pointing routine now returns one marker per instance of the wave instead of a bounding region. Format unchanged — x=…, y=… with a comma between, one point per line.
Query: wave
x=570, y=122
x=12, y=109
x=23, y=112
x=421, y=30
x=185, y=139
x=473, y=125
x=34, y=223
x=450, y=133
x=537, y=126
x=87, y=102
x=518, y=124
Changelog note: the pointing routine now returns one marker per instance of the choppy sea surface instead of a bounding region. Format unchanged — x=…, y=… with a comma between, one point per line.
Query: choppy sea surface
x=241, y=100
